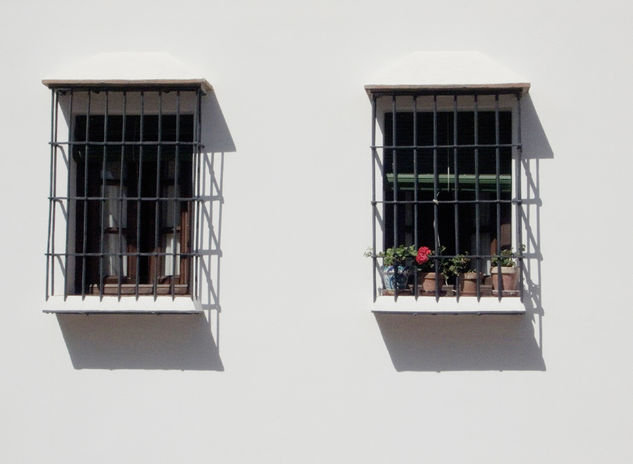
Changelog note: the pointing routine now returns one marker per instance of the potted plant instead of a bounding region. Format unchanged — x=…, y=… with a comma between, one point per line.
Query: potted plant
x=506, y=262
x=396, y=266
x=427, y=274
x=460, y=267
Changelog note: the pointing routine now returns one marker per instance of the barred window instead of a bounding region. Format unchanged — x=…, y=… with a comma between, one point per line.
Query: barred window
x=446, y=190
x=127, y=188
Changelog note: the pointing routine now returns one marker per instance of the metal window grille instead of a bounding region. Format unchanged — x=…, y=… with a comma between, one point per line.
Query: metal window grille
x=447, y=175
x=131, y=191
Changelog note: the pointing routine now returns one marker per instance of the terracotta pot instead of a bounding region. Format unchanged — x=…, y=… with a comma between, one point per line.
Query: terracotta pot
x=468, y=283
x=509, y=278
x=427, y=281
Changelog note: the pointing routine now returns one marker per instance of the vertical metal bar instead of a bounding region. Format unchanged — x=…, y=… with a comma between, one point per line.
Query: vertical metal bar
x=138, y=199
x=198, y=198
x=192, y=234
x=498, y=185
x=374, y=156
x=435, y=201
x=103, y=191
x=49, y=257
x=176, y=195
x=54, y=187
x=456, y=189
x=71, y=138
x=519, y=205
x=394, y=168
x=477, y=212
x=415, y=191
x=158, y=193
x=85, y=234
x=121, y=173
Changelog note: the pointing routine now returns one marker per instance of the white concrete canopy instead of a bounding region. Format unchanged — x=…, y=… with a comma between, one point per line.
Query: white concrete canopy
x=437, y=70
x=127, y=69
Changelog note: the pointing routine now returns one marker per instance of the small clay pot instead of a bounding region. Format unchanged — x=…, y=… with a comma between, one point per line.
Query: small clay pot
x=509, y=278
x=468, y=283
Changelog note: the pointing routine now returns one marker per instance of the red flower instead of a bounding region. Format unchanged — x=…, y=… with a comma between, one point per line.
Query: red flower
x=423, y=255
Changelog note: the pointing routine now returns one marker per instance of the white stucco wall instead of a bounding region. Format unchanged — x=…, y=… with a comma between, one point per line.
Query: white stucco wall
x=296, y=368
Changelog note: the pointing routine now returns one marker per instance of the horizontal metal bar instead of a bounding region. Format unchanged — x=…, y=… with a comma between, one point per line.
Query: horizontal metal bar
x=120, y=143
x=97, y=255
x=445, y=202
x=462, y=145
x=183, y=199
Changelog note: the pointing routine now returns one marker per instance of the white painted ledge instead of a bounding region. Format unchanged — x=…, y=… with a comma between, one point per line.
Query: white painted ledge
x=127, y=305
x=448, y=305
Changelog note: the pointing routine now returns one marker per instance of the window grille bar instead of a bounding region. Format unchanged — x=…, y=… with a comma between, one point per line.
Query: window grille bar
x=518, y=207
x=194, y=205
x=477, y=212
x=103, y=189
x=157, y=204
x=115, y=143
x=176, y=203
x=49, y=260
x=456, y=190
x=54, y=204
x=85, y=224
x=435, y=199
x=416, y=241
x=394, y=165
x=374, y=212
x=71, y=134
x=498, y=172
x=447, y=202
x=138, y=203
x=121, y=199
x=452, y=145
x=196, y=167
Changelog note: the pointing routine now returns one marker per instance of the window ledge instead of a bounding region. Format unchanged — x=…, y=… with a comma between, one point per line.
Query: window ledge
x=448, y=305
x=127, y=305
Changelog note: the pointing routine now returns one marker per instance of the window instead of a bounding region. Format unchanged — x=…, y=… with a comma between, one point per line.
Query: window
x=446, y=183
x=131, y=162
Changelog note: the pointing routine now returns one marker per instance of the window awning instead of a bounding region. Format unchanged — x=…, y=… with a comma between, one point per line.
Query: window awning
x=127, y=70
x=450, y=72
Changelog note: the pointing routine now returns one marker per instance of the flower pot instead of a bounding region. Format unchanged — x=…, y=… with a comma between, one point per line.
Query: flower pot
x=426, y=281
x=390, y=278
x=468, y=283
x=509, y=278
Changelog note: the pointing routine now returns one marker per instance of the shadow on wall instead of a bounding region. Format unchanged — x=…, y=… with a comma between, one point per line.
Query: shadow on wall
x=134, y=341
x=487, y=342
x=185, y=342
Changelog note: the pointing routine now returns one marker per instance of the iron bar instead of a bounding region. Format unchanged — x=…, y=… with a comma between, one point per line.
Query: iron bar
x=451, y=145
x=71, y=120
x=477, y=212
x=374, y=160
x=394, y=168
x=139, y=187
x=121, y=199
x=157, y=204
x=416, y=241
x=456, y=190
x=518, y=207
x=176, y=203
x=103, y=190
x=435, y=200
x=50, y=262
x=85, y=224
x=498, y=173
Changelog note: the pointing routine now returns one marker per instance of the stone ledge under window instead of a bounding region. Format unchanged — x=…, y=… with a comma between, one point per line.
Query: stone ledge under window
x=448, y=305
x=126, y=305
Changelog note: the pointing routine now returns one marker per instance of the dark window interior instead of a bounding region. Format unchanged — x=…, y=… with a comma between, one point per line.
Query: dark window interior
x=460, y=196
x=131, y=226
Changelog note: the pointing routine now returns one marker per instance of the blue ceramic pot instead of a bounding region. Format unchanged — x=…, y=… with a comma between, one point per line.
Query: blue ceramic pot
x=390, y=278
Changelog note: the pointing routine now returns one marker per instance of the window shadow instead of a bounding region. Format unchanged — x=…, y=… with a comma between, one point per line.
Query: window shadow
x=135, y=341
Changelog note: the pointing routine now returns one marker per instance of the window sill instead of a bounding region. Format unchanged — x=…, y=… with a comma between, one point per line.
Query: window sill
x=448, y=305
x=127, y=305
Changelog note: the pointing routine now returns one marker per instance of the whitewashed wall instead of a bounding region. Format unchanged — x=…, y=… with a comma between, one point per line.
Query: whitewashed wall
x=296, y=368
